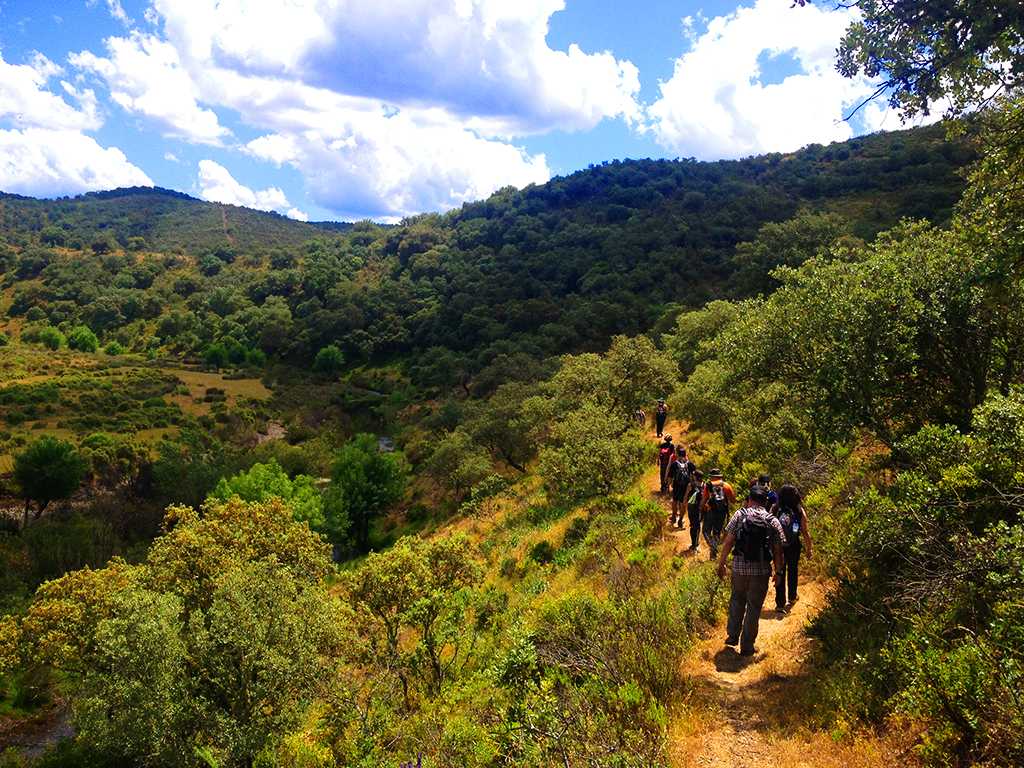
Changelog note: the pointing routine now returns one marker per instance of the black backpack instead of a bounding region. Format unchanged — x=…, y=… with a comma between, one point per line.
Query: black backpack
x=755, y=539
x=680, y=472
x=790, y=521
x=717, y=500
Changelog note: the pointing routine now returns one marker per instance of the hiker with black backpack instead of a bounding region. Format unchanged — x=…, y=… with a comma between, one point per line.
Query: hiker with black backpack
x=717, y=497
x=694, y=498
x=792, y=516
x=666, y=452
x=660, y=414
x=754, y=537
x=679, y=474
x=765, y=479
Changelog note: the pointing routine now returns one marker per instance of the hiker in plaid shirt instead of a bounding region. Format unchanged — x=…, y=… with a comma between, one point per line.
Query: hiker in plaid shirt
x=750, y=577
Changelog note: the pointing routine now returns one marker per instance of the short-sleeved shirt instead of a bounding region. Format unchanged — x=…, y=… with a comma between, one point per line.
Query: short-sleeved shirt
x=740, y=565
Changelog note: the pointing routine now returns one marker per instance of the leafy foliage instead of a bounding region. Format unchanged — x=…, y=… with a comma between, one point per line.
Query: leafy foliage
x=47, y=470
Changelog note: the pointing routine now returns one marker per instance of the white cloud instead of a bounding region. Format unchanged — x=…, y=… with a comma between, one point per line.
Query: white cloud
x=145, y=76
x=481, y=60
x=51, y=163
x=217, y=185
x=25, y=101
x=362, y=159
x=715, y=105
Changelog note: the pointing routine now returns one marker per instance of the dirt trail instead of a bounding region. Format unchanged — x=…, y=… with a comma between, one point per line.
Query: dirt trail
x=744, y=706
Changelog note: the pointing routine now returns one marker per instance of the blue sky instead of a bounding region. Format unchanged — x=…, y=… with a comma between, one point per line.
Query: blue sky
x=352, y=109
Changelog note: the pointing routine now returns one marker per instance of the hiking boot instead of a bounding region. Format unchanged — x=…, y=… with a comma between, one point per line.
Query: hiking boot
x=780, y=607
x=732, y=640
x=748, y=651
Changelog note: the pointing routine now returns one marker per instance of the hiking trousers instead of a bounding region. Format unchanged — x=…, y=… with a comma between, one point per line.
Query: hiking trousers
x=713, y=522
x=789, y=574
x=745, y=603
x=694, y=515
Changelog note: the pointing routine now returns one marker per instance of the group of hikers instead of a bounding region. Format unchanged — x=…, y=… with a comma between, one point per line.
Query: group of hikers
x=765, y=536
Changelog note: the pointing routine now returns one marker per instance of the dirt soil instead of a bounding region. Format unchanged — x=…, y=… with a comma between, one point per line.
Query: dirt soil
x=746, y=710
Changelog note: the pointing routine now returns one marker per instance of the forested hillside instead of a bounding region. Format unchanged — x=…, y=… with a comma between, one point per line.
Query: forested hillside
x=371, y=496
x=542, y=271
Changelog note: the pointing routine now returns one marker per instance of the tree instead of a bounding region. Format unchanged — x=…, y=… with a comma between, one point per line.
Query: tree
x=329, y=360
x=216, y=355
x=265, y=481
x=218, y=639
x=507, y=425
x=628, y=376
x=413, y=588
x=365, y=483
x=787, y=243
x=51, y=338
x=82, y=339
x=53, y=236
x=590, y=454
x=48, y=470
x=457, y=462
x=963, y=51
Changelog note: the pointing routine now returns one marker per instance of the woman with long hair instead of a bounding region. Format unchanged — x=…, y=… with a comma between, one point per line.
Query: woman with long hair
x=791, y=514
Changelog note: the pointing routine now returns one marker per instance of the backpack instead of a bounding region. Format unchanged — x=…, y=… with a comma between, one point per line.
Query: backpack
x=681, y=475
x=695, y=498
x=755, y=539
x=717, y=500
x=666, y=453
x=790, y=521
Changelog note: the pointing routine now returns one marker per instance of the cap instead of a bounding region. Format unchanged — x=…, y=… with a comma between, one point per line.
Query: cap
x=759, y=492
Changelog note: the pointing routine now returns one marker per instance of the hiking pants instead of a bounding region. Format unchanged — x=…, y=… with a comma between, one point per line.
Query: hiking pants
x=694, y=514
x=659, y=419
x=745, y=603
x=789, y=571
x=713, y=522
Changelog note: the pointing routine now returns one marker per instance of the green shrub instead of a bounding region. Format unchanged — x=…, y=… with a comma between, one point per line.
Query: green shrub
x=51, y=338
x=542, y=552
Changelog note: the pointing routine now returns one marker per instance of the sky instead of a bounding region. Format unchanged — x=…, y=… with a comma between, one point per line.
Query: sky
x=343, y=110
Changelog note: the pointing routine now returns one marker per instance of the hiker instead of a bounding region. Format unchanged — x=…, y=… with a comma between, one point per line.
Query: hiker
x=754, y=538
x=660, y=414
x=694, y=498
x=715, y=501
x=765, y=479
x=792, y=516
x=666, y=452
x=679, y=473
x=641, y=417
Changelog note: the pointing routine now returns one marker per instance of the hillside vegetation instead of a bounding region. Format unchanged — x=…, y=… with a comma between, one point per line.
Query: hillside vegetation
x=500, y=589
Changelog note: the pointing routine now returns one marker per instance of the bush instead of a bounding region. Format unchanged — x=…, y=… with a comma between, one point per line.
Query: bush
x=329, y=360
x=543, y=552
x=51, y=338
x=82, y=339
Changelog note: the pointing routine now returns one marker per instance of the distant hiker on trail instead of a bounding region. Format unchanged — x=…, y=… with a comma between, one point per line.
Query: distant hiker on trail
x=666, y=452
x=641, y=417
x=755, y=539
x=660, y=414
x=679, y=472
x=766, y=480
x=718, y=495
x=792, y=517
x=694, y=499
